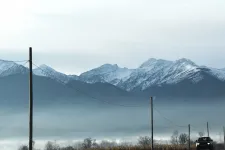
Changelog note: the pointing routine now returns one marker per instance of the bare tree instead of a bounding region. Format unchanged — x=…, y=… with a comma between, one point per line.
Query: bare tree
x=125, y=144
x=201, y=134
x=52, y=146
x=183, y=138
x=94, y=144
x=89, y=143
x=144, y=141
x=67, y=148
x=78, y=145
x=23, y=147
x=174, y=138
x=107, y=144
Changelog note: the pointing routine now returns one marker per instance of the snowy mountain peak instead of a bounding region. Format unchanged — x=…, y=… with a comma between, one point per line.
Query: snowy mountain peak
x=185, y=64
x=109, y=66
x=47, y=71
x=106, y=68
x=45, y=67
x=106, y=73
x=5, y=65
x=153, y=62
x=149, y=62
x=43, y=70
x=185, y=61
x=153, y=72
x=10, y=68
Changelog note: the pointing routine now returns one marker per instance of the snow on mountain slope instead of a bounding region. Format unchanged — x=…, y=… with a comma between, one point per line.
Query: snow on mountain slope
x=10, y=68
x=158, y=72
x=219, y=73
x=73, y=77
x=47, y=71
x=179, y=70
x=152, y=62
x=152, y=68
x=153, y=72
x=106, y=73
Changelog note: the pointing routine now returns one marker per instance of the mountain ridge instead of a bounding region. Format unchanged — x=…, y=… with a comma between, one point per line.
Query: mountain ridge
x=151, y=73
x=156, y=72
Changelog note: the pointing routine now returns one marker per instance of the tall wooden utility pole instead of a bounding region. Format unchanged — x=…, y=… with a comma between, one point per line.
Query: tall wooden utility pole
x=31, y=102
x=224, y=136
x=208, y=128
x=189, y=137
x=152, y=146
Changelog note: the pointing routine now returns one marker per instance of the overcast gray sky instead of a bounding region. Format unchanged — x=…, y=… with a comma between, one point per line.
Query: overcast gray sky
x=73, y=36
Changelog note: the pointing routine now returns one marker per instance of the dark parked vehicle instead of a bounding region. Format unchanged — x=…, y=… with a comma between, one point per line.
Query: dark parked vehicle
x=204, y=143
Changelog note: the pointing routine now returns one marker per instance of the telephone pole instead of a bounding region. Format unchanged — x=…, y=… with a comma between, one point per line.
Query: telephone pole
x=224, y=136
x=208, y=128
x=220, y=134
x=31, y=101
x=189, y=137
x=151, y=101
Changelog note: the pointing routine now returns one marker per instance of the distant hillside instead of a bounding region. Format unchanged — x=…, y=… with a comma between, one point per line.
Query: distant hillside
x=209, y=87
x=14, y=89
x=155, y=77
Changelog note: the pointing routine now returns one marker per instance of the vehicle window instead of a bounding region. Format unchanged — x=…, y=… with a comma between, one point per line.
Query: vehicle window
x=204, y=139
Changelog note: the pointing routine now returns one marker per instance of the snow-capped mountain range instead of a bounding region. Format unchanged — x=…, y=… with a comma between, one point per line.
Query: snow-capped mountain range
x=106, y=73
x=47, y=71
x=153, y=72
x=10, y=67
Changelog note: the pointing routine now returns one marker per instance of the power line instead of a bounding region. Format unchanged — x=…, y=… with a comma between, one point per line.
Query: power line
x=168, y=119
x=16, y=61
x=195, y=130
x=193, y=126
x=166, y=127
x=2, y=73
x=86, y=94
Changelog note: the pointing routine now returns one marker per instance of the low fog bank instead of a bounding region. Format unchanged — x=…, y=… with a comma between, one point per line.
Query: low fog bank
x=66, y=121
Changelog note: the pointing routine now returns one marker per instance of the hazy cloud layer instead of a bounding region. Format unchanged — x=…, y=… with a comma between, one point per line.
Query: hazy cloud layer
x=77, y=122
